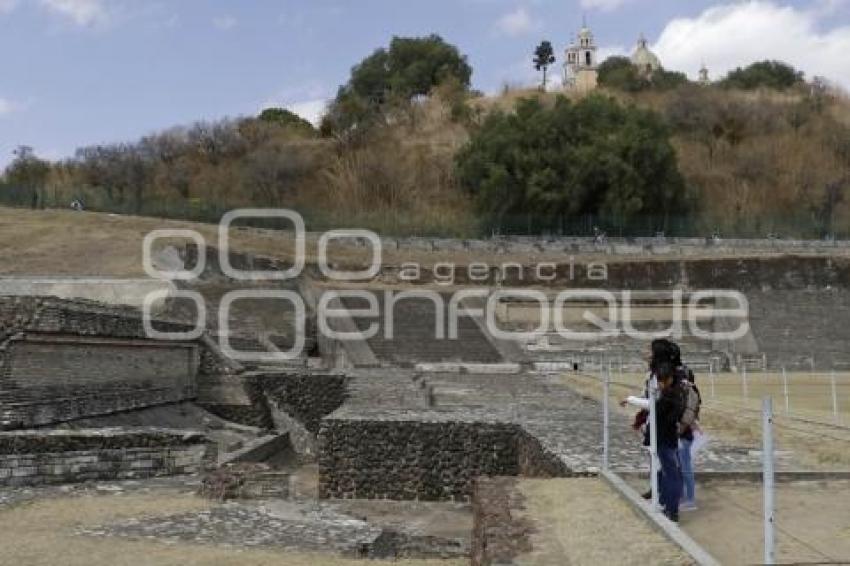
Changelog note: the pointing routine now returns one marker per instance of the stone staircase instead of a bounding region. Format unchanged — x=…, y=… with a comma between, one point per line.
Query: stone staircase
x=802, y=328
x=251, y=322
x=414, y=338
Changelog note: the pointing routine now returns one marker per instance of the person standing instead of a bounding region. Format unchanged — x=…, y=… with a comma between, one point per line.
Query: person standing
x=668, y=411
x=689, y=426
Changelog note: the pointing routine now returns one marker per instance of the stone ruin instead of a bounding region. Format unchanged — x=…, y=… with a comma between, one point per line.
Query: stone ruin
x=416, y=418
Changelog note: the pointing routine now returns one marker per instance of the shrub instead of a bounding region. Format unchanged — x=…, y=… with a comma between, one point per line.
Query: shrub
x=592, y=157
x=764, y=74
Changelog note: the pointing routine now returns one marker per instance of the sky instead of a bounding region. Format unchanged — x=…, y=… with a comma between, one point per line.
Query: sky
x=75, y=73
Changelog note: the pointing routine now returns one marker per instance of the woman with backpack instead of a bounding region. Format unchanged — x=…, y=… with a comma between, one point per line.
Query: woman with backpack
x=668, y=411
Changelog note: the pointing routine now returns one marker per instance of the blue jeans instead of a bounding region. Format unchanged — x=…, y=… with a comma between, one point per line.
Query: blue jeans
x=671, y=479
x=689, y=491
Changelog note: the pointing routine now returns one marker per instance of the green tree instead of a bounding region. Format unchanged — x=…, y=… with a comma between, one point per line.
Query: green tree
x=590, y=157
x=764, y=74
x=662, y=79
x=27, y=170
x=27, y=174
x=286, y=118
x=410, y=67
x=544, y=56
x=619, y=73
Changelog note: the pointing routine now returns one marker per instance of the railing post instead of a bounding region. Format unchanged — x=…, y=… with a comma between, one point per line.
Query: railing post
x=605, y=416
x=834, y=397
x=785, y=391
x=744, y=383
x=713, y=380
x=768, y=475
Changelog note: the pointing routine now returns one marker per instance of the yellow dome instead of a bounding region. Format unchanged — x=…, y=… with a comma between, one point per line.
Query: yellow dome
x=644, y=59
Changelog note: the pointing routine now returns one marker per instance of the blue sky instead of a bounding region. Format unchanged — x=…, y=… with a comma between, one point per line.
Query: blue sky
x=81, y=72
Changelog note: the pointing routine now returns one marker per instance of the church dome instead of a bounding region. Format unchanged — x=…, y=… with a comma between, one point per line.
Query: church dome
x=644, y=59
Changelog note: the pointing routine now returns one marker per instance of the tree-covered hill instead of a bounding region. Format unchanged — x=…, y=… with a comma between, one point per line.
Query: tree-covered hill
x=407, y=147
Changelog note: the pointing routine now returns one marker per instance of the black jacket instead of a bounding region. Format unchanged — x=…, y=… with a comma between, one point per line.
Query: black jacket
x=668, y=411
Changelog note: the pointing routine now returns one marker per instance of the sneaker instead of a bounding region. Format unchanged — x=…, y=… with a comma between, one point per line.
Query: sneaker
x=647, y=495
x=688, y=506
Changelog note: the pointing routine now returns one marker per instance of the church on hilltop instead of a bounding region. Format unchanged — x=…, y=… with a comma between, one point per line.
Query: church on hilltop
x=644, y=59
x=581, y=62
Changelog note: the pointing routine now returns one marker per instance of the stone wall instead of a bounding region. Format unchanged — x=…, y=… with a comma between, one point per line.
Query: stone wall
x=618, y=273
x=306, y=397
x=54, y=378
x=428, y=459
x=61, y=360
x=498, y=536
x=61, y=456
x=535, y=461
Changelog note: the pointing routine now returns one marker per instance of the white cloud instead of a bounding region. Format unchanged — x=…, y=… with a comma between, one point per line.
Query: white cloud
x=735, y=35
x=225, y=23
x=7, y=6
x=602, y=5
x=310, y=110
x=516, y=23
x=84, y=13
x=6, y=107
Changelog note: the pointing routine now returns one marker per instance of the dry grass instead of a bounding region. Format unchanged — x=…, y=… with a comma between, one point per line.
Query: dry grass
x=726, y=418
x=67, y=243
x=813, y=526
x=573, y=519
x=400, y=178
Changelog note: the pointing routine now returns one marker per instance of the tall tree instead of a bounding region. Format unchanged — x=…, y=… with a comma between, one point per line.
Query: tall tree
x=544, y=56
x=27, y=173
x=410, y=67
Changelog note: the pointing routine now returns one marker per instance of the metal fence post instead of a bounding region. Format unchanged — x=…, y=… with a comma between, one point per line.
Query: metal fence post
x=834, y=396
x=605, y=416
x=785, y=391
x=713, y=380
x=744, y=383
x=767, y=467
x=653, y=443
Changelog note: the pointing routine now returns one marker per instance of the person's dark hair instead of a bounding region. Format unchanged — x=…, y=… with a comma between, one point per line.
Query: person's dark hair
x=664, y=369
x=675, y=354
x=666, y=357
x=660, y=352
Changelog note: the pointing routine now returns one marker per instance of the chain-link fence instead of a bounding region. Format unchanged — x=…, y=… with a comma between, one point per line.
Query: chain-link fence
x=796, y=224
